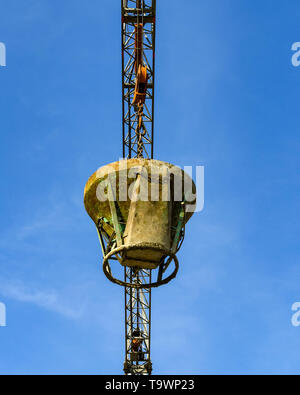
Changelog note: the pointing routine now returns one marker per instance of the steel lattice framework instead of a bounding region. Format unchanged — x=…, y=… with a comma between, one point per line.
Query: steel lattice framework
x=137, y=142
x=139, y=238
x=138, y=323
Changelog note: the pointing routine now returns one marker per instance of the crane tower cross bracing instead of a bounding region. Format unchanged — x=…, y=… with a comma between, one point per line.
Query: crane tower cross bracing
x=138, y=50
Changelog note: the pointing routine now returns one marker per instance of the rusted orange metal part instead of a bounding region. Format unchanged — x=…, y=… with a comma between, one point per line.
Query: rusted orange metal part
x=139, y=32
x=140, y=86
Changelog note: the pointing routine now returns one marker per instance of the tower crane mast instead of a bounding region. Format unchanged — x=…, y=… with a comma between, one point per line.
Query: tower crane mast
x=138, y=77
x=138, y=51
x=140, y=234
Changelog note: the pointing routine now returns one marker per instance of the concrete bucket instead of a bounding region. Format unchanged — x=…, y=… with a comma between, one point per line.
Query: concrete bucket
x=140, y=209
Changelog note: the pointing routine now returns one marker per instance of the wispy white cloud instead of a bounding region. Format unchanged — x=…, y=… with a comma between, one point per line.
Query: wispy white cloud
x=50, y=300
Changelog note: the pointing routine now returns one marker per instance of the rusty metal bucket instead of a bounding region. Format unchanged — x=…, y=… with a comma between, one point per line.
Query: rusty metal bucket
x=138, y=207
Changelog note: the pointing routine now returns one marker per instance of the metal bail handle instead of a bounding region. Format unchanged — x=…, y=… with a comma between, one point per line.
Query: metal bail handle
x=108, y=274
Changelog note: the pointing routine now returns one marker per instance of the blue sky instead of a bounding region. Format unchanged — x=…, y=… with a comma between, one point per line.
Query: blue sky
x=226, y=98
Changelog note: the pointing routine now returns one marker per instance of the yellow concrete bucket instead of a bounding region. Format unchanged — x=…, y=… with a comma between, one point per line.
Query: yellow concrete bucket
x=140, y=209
